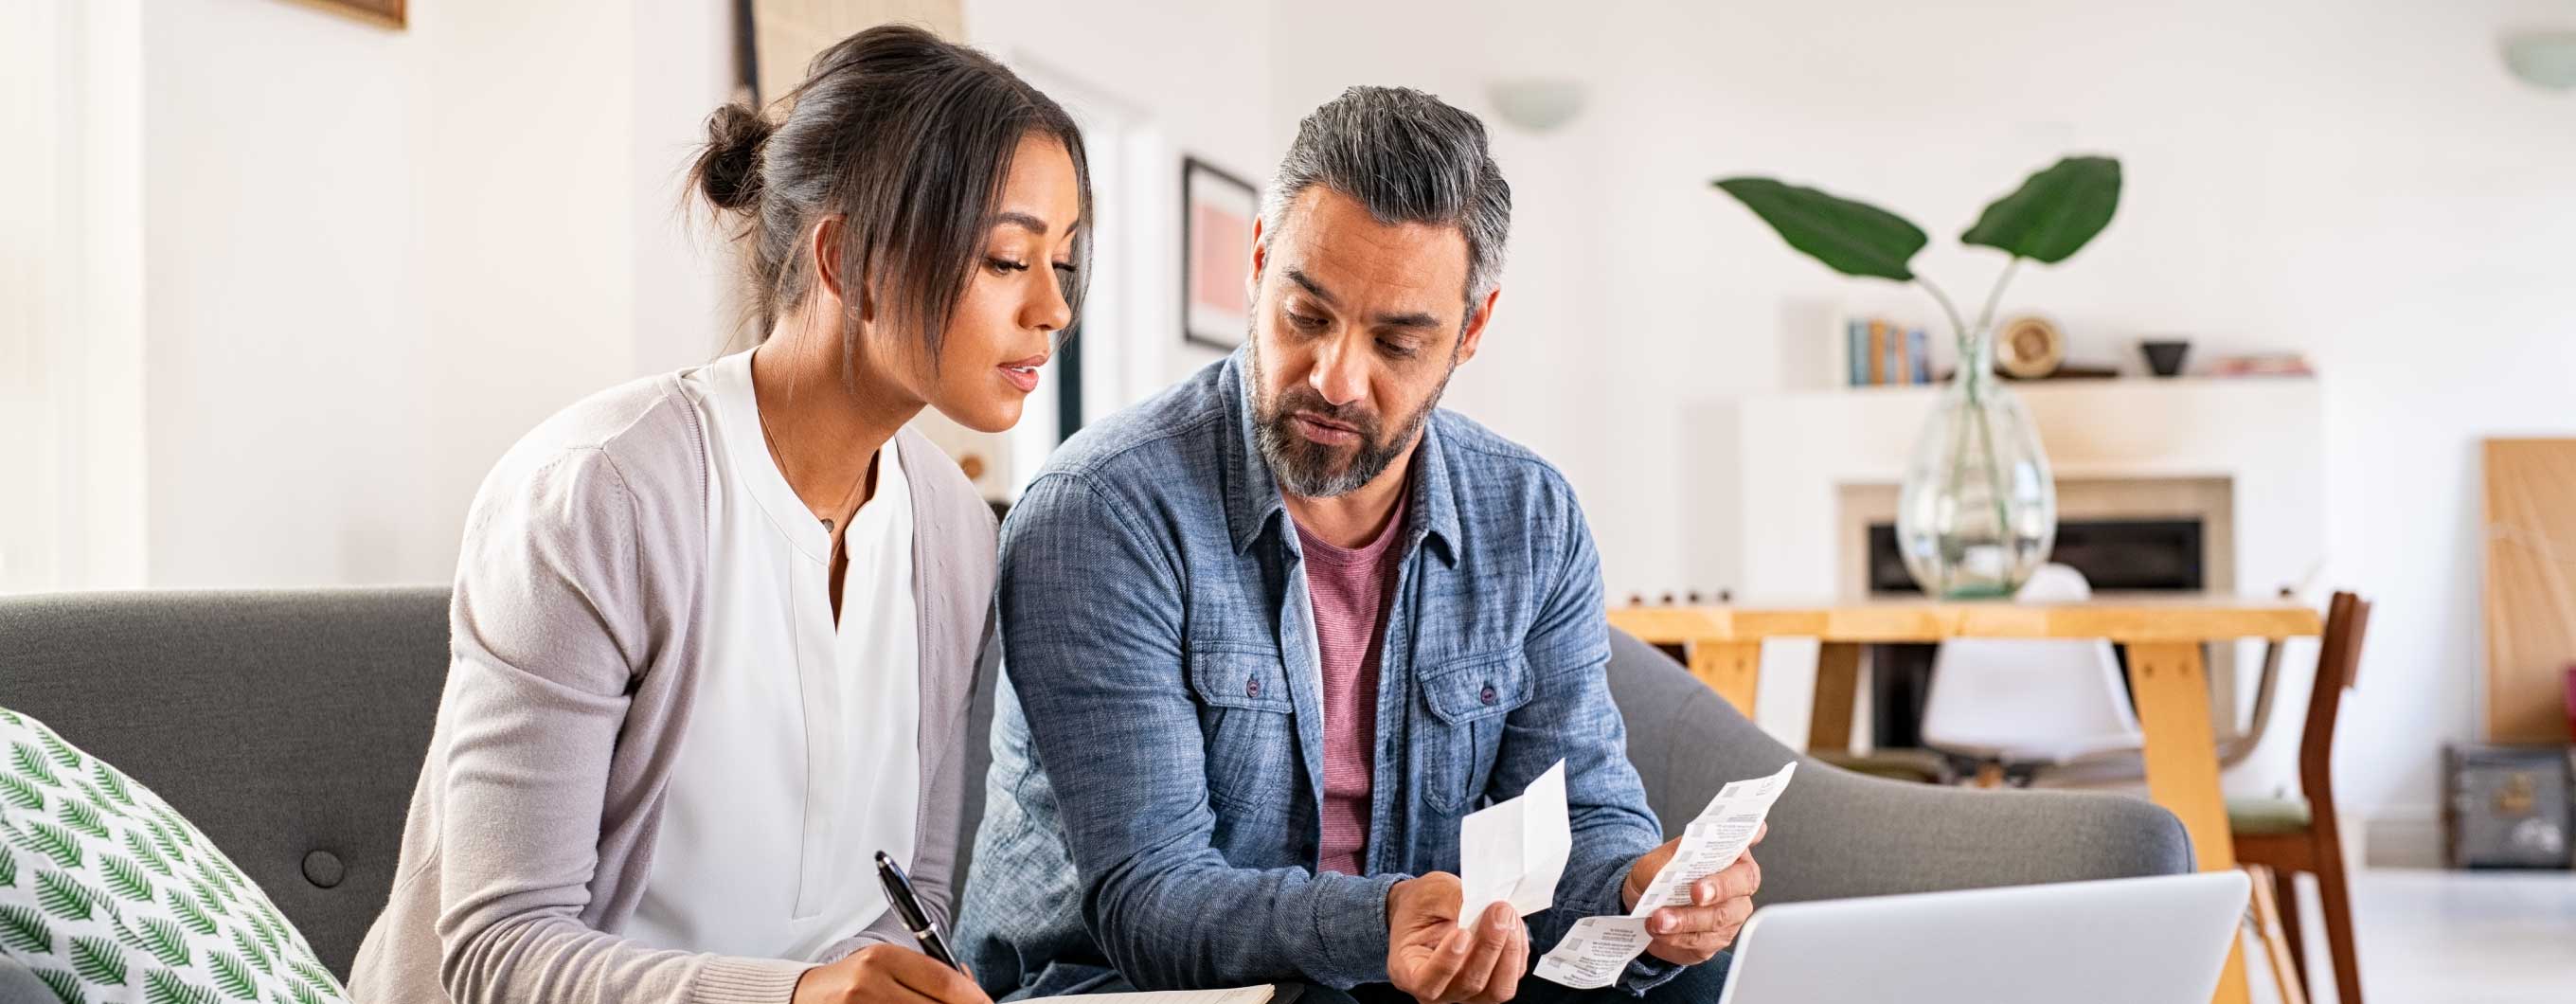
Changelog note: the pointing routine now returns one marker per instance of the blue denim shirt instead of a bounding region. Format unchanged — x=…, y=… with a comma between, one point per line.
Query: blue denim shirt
x=1158, y=753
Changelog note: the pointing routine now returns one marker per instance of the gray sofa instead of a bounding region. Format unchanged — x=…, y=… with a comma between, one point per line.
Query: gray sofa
x=289, y=725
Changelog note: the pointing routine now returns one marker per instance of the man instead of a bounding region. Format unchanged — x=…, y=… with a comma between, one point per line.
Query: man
x=1272, y=634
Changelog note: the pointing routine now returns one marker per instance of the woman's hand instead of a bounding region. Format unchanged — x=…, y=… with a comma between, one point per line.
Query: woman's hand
x=887, y=974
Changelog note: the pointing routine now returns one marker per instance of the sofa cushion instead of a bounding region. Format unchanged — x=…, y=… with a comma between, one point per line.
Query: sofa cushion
x=106, y=892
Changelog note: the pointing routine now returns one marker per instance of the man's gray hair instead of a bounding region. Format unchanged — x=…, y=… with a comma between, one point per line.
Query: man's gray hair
x=1410, y=158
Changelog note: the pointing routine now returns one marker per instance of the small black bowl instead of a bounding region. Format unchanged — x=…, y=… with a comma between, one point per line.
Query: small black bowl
x=2164, y=359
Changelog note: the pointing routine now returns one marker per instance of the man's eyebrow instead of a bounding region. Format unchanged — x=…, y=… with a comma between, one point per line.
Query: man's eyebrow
x=1309, y=285
x=1410, y=320
x=1415, y=321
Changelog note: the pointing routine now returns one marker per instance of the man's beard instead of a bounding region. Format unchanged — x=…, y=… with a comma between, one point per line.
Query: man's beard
x=1308, y=469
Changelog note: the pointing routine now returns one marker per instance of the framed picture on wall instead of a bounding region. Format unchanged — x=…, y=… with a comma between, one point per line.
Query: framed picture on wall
x=1217, y=210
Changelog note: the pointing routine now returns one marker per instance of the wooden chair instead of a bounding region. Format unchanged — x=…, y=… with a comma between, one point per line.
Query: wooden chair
x=2287, y=836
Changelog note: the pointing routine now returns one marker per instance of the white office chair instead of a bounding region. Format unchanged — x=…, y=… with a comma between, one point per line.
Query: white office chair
x=2014, y=706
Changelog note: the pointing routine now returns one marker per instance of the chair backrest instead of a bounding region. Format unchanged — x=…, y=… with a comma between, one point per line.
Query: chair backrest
x=1837, y=834
x=2038, y=699
x=2338, y=670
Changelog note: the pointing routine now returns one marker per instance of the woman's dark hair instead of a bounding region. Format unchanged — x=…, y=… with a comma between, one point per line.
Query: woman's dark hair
x=909, y=138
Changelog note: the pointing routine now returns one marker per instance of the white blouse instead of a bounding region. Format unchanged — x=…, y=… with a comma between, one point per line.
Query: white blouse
x=802, y=759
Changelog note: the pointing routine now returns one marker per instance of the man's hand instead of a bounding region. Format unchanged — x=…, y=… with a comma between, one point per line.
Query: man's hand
x=1719, y=905
x=1437, y=960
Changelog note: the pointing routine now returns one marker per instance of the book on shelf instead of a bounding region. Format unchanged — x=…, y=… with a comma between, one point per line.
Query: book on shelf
x=1855, y=352
x=1877, y=352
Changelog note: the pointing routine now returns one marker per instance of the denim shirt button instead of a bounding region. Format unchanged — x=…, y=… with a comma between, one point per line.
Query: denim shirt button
x=1488, y=695
x=1251, y=686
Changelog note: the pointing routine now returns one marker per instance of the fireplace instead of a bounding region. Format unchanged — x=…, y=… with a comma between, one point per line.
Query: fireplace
x=2115, y=555
x=2128, y=536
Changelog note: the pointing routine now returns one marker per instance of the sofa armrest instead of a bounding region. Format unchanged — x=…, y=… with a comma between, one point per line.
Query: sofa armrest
x=1838, y=834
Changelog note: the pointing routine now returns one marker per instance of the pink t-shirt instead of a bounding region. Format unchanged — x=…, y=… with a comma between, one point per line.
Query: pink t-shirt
x=1352, y=590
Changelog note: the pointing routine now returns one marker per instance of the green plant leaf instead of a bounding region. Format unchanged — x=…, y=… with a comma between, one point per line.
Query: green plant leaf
x=98, y=960
x=308, y=995
x=112, y=781
x=231, y=874
x=319, y=976
x=178, y=824
x=60, y=752
x=144, y=851
x=1853, y=238
x=164, y=988
x=188, y=911
x=166, y=942
x=81, y=816
x=250, y=949
x=22, y=928
x=65, y=897
x=21, y=793
x=206, y=897
x=52, y=841
x=89, y=792
x=125, y=878
x=267, y=935
x=161, y=838
x=32, y=766
x=2054, y=213
x=8, y=868
x=64, y=985
x=232, y=975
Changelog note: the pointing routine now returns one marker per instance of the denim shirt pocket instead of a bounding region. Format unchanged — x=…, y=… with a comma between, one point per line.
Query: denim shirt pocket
x=1468, y=697
x=1249, y=728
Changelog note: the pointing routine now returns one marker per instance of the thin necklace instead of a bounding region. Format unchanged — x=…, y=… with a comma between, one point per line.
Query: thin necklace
x=781, y=457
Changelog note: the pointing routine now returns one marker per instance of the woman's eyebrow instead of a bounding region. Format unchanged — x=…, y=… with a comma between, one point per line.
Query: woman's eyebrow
x=1024, y=221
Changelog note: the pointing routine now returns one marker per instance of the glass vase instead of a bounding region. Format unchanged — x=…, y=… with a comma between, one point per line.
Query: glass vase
x=1977, y=513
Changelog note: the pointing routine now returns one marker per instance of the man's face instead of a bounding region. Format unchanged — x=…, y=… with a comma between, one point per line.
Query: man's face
x=1356, y=325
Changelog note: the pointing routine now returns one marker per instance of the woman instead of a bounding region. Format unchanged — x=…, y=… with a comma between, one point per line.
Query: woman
x=714, y=632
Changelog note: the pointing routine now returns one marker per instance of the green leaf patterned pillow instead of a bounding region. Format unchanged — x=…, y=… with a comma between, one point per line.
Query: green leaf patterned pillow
x=106, y=894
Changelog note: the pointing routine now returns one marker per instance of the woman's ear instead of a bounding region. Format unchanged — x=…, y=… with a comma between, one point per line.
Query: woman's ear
x=824, y=244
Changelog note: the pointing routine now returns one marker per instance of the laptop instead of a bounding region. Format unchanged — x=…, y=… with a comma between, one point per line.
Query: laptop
x=2155, y=940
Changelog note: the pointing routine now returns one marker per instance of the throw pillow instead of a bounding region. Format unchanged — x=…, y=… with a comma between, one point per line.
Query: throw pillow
x=107, y=894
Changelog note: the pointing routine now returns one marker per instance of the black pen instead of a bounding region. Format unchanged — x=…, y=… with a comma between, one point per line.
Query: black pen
x=915, y=919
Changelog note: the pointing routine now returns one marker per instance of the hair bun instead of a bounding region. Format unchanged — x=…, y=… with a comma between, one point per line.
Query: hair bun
x=728, y=170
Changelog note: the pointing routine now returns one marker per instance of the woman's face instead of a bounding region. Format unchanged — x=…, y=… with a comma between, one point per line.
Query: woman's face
x=1001, y=331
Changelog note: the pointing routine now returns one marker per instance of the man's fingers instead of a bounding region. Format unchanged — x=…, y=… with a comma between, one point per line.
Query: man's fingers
x=1760, y=832
x=1738, y=880
x=1677, y=921
x=1507, y=973
x=1492, y=933
x=1700, y=945
x=1435, y=968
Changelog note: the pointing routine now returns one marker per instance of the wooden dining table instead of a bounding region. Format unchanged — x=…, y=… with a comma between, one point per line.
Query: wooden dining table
x=2168, y=678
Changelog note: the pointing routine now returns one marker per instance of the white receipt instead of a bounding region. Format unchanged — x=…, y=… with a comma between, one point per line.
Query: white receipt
x=1514, y=851
x=1598, y=949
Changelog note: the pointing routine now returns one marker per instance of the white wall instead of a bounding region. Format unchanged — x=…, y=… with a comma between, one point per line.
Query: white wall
x=286, y=320
x=373, y=258
x=376, y=257
x=2358, y=181
x=1181, y=79
x=71, y=304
